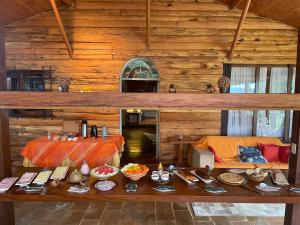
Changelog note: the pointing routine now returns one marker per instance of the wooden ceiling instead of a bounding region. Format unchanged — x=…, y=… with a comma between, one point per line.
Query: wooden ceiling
x=14, y=10
x=285, y=11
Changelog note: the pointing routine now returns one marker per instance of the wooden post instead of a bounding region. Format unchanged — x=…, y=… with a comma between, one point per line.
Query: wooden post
x=6, y=208
x=148, y=23
x=62, y=28
x=292, y=211
x=239, y=28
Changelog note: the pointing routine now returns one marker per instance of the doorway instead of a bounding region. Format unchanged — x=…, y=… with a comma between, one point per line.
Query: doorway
x=140, y=127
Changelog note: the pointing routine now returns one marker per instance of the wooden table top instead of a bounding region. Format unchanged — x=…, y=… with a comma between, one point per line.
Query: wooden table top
x=184, y=140
x=145, y=192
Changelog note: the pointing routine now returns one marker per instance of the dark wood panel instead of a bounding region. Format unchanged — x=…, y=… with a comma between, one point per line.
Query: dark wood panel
x=179, y=101
x=292, y=211
x=6, y=209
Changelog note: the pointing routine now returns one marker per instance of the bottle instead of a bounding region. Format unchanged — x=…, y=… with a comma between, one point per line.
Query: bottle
x=104, y=132
x=85, y=169
x=49, y=136
x=84, y=129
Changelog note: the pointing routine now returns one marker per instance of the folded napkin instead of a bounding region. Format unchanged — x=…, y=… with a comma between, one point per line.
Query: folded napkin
x=79, y=190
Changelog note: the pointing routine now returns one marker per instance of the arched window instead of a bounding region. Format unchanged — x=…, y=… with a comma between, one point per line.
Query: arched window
x=140, y=69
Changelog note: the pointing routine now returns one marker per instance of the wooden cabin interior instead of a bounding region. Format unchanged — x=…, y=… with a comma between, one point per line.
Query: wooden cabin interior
x=149, y=70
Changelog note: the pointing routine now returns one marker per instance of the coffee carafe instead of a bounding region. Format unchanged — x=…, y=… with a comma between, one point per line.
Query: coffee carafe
x=84, y=129
x=94, y=131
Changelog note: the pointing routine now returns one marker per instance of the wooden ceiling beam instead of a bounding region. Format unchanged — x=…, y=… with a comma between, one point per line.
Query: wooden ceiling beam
x=239, y=29
x=235, y=3
x=148, y=23
x=62, y=28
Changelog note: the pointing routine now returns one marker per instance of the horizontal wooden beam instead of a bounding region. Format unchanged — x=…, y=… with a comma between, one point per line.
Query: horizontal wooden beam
x=178, y=101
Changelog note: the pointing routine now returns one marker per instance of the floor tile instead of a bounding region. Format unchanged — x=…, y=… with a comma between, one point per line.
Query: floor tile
x=147, y=207
x=111, y=217
x=147, y=218
x=130, y=211
x=242, y=223
x=179, y=206
x=90, y=222
x=183, y=218
x=74, y=218
x=220, y=220
x=237, y=218
x=113, y=205
x=166, y=223
x=94, y=211
x=164, y=211
x=80, y=205
x=203, y=223
x=201, y=218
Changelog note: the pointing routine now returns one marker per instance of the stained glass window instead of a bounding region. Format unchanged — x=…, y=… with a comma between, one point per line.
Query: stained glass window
x=140, y=69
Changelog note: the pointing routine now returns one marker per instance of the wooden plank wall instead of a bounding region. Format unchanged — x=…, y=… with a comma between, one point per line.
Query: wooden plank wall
x=190, y=40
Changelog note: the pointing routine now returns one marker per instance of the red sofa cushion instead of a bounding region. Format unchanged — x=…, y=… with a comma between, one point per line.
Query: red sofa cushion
x=284, y=153
x=270, y=152
x=216, y=155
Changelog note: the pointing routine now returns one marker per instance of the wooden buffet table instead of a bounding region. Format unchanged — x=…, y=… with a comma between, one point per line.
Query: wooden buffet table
x=145, y=192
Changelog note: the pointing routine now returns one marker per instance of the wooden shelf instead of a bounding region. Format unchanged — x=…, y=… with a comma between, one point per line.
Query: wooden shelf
x=178, y=101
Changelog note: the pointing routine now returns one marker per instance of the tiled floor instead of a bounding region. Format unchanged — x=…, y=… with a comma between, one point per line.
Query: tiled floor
x=125, y=213
x=238, y=209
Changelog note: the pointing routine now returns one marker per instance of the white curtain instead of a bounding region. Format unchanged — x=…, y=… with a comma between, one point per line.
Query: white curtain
x=271, y=123
x=240, y=121
x=293, y=91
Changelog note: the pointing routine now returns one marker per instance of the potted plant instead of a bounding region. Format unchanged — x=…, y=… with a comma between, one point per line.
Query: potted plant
x=64, y=83
x=223, y=84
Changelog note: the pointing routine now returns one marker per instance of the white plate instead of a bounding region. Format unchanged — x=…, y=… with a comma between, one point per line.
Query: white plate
x=105, y=185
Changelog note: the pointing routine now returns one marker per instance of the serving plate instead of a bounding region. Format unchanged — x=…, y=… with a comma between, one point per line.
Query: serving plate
x=94, y=173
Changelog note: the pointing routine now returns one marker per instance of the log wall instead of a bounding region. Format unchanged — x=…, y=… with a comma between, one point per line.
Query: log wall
x=189, y=44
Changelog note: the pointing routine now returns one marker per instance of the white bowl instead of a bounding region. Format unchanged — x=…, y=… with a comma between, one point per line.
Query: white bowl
x=93, y=173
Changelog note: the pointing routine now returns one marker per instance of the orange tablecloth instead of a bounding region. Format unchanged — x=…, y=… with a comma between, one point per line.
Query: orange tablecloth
x=49, y=153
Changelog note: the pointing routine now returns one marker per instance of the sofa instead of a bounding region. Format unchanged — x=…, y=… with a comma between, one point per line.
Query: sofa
x=226, y=147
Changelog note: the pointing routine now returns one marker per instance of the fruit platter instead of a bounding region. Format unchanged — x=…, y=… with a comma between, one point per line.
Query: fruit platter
x=134, y=171
x=104, y=172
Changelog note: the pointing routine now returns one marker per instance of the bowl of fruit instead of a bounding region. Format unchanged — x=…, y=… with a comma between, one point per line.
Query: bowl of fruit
x=134, y=171
x=104, y=172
